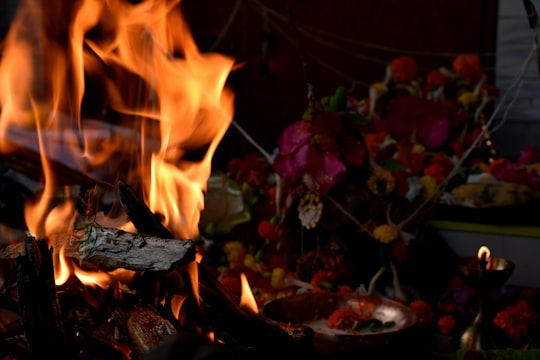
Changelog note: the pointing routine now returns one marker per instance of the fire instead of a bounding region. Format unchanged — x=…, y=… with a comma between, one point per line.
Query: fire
x=484, y=253
x=112, y=89
x=62, y=269
x=247, y=300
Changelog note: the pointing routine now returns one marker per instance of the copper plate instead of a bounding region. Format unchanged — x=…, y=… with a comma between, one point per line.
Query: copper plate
x=312, y=309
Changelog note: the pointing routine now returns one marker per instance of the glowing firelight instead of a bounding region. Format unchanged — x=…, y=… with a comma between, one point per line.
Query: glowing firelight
x=171, y=104
x=152, y=114
x=484, y=253
x=247, y=300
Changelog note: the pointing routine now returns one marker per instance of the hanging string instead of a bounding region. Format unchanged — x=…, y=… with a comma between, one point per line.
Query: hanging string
x=309, y=29
x=322, y=63
x=228, y=24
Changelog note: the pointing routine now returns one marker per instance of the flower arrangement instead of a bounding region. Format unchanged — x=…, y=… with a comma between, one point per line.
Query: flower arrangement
x=348, y=191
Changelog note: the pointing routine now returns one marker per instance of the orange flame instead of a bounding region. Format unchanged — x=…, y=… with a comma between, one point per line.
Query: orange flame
x=62, y=269
x=483, y=253
x=247, y=300
x=170, y=104
x=176, y=304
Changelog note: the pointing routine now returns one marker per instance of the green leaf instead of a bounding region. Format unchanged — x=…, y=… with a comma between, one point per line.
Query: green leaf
x=393, y=165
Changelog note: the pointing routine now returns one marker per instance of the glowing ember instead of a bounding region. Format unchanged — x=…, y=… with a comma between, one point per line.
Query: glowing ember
x=484, y=253
x=247, y=300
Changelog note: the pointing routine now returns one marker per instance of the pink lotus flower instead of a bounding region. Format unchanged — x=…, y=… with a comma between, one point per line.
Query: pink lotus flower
x=308, y=152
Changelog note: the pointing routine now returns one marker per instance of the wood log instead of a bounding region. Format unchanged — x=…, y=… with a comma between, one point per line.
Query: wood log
x=39, y=307
x=112, y=249
x=233, y=325
x=146, y=328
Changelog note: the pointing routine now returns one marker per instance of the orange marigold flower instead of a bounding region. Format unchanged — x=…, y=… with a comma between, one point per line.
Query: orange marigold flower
x=496, y=165
x=468, y=66
x=373, y=140
x=344, y=319
x=322, y=280
x=446, y=324
x=424, y=312
x=404, y=68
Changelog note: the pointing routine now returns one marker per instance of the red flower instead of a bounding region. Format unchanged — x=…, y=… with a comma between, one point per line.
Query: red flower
x=424, y=312
x=468, y=67
x=400, y=251
x=402, y=185
x=504, y=170
x=354, y=152
x=415, y=161
x=438, y=167
x=411, y=120
x=374, y=140
x=514, y=320
x=322, y=280
x=446, y=324
x=404, y=68
x=435, y=79
x=252, y=169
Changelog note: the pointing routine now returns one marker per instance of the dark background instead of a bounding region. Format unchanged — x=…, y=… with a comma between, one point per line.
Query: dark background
x=347, y=42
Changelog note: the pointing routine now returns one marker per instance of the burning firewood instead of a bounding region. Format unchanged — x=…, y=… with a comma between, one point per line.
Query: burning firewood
x=146, y=328
x=220, y=309
x=111, y=249
x=38, y=302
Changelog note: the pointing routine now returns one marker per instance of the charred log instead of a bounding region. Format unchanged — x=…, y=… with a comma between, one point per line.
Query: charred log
x=39, y=307
x=146, y=328
x=146, y=221
x=249, y=334
x=109, y=249
x=113, y=248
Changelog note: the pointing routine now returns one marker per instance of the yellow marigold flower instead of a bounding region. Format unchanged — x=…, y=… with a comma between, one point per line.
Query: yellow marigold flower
x=379, y=87
x=418, y=148
x=278, y=278
x=235, y=252
x=430, y=186
x=381, y=182
x=385, y=233
x=468, y=98
x=249, y=261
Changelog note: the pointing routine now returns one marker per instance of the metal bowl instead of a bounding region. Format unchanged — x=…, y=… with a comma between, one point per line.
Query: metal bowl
x=313, y=309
